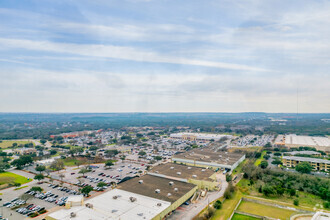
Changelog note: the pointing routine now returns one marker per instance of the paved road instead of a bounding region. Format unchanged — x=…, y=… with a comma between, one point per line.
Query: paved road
x=189, y=212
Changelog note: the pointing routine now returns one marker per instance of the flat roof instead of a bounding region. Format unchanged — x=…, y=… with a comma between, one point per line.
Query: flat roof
x=208, y=155
x=106, y=206
x=303, y=152
x=200, y=135
x=307, y=140
x=307, y=159
x=151, y=183
x=182, y=171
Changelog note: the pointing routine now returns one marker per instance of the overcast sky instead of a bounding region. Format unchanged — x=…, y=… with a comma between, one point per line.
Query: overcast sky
x=164, y=56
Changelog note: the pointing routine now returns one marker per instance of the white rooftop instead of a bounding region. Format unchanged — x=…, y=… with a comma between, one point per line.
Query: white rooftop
x=307, y=140
x=105, y=206
x=200, y=135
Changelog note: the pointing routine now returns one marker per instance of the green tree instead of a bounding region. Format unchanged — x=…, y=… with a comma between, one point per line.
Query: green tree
x=40, y=168
x=108, y=163
x=217, y=204
x=304, y=167
x=158, y=158
x=296, y=202
x=86, y=190
x=142, y=153
x=264, y=164
x=43, y=141
x=101, y=184
x=39, y=177
x=83, y=171
x=4, y=166
x=36, y=189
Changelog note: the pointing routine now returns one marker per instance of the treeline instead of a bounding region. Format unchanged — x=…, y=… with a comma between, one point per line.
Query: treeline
x=277, y=182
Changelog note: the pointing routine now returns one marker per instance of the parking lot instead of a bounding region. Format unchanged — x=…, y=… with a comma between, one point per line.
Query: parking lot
x=99, y=173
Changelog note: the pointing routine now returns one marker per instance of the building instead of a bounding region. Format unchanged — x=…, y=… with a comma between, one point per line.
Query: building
x=315, y=153
x=198, y=136
x=114, y=204
x=320, y=143
x=317, y=164
x=204, y=157
x=25, y=151
x=164, y=189
x=203, y=178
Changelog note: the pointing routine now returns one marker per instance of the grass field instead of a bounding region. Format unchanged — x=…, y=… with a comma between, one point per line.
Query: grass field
x=8, y=143
x=243, y=217
x=264, y=210
x=258, y=161
x=8, y=177
x=228, y=207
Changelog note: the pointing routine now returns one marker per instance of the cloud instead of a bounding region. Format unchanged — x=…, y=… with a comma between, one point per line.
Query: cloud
x=118, y=52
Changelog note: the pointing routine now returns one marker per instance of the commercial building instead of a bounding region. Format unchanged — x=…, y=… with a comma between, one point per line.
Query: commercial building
x=206, y=157
x=198, y=136
x=114, y=204
x=25, y=151
x=317, y=164
x=203, y=178
x=320, y=143
x=164, y=189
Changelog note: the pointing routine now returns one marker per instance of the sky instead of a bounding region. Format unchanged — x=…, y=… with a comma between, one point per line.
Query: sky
x=165, y=56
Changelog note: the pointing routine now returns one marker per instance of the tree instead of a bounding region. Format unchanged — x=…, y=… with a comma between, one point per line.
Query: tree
x=268, y=190
x=36, y=189
x=52, y=152
x=257, y=155
x=111, y=153
x=40, y=168
x=25, y=197
x=228, y=178
x=4, y=166
x=304, y=167
x=108, y=163
x=142, y=153
x=296, y=202
x=264, y=164
x=278, y=154
x=158, y=158
x=39, y=177
x=83, y=171
x=217, y=204
x=57, y=165
x=266, y=157
x=61, y=176
x=43, y=141
x=86, y=190
x=101, y=184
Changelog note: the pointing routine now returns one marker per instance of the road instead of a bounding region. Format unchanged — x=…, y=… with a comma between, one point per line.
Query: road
x=189, y=212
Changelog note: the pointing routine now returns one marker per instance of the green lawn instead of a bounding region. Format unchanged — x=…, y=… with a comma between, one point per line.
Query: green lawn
x=265, y=210
x=228, y=207
x=8, y=143
x=243, y=217
x=8, y=177
x=258, y=161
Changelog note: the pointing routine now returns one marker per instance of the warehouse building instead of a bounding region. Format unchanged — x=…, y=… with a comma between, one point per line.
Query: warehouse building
x=198, y=136
x=114, y=204
x=317, y=164
x=205, y=157
x=164, y=189
x=203, y=178
x=292, y=140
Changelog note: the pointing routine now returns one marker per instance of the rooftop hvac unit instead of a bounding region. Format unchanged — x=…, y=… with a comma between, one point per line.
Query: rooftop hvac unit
x=169, y=194
x=133, y=199
x=157, y=191
x=140, y=181
x=176, y=189
x=189, y=168
x=203, y=170
x=179, y=173
x=195, y=176
x=157, y=171
x=171, y=183
x=115, y=197
x=89, y=205
x=159, y=204
x=114, y=210
x=73, y=214
x=140, y=214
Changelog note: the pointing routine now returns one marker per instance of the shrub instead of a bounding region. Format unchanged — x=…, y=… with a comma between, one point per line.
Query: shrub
x=326, y=205
x=296, y=202
x=42, y=211
x=217, y=204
